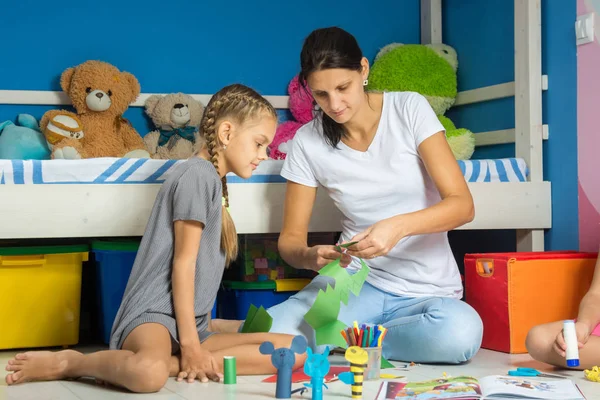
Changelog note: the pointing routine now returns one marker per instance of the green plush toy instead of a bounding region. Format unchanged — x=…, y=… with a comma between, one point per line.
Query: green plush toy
x=431, y=71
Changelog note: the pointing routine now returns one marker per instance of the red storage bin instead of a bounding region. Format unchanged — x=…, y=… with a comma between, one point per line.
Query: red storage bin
x=513, y=292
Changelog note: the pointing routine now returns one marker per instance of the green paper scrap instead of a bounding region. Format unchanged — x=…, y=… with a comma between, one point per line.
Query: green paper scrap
x=386, y=364
x=345, y=246
x=257, y=320
x=323, y=315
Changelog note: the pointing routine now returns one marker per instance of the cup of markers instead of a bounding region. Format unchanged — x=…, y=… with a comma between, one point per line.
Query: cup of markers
x=370, y=338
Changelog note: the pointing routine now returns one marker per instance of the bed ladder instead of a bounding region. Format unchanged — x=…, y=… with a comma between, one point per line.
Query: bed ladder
x=528, y=91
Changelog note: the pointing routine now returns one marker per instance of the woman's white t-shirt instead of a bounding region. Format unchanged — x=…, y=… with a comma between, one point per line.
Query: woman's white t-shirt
x=386, y=180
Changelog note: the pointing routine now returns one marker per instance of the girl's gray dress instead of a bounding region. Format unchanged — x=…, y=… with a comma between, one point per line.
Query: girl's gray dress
x=191, y=191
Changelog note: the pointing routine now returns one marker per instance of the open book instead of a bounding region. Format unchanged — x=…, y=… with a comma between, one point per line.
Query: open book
x=489, y=387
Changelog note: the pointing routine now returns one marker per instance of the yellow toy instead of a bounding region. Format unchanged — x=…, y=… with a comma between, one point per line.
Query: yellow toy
x=593, y=374
x=358, y=358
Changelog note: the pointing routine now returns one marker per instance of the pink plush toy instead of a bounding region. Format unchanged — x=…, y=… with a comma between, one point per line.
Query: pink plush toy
x=301, y=106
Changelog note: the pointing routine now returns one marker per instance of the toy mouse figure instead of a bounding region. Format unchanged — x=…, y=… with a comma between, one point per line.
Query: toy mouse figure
x=284, y=359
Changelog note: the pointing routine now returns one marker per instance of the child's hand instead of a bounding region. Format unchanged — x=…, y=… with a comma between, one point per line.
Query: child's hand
x=197, y=363
x=583, y=334
x=322, y=255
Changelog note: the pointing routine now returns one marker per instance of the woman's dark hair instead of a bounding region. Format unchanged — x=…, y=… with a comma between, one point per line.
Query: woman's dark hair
x=328, y=48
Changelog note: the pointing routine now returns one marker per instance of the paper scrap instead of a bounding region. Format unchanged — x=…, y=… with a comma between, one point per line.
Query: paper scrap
x=257, y=320
x=386, y=364
x=390, y=376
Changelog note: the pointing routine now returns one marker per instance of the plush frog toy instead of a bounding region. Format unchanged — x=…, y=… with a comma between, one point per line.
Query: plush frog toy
x=431, y=71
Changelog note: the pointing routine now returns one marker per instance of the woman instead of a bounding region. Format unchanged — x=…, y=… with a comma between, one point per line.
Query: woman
x=384, y=160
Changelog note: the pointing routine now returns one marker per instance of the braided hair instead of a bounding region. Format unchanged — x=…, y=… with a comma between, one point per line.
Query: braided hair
x=240, y=103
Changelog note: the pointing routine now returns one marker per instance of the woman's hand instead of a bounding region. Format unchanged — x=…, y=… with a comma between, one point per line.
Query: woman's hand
x=322, y=255
x=378, y=239
x=197, y=363
x=582, y=331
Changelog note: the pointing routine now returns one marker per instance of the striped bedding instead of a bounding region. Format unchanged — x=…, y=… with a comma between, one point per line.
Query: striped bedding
x=148, y=171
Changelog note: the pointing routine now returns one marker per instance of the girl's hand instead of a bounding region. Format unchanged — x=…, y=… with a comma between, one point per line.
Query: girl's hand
x=583, y=332
x=197, y=363
x=377, y=240
x=320, y=256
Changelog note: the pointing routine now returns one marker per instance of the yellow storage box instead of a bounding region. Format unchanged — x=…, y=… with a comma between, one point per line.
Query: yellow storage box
x=40, y=294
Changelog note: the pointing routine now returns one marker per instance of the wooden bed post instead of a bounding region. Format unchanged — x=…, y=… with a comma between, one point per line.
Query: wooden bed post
x=528, y=103
x=431, y=21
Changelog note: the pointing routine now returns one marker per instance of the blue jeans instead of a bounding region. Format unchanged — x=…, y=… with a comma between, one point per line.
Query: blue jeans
x=423, y=329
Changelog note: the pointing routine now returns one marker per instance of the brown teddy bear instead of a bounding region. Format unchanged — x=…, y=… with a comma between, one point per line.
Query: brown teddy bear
x=100, y=94
x=177, y=117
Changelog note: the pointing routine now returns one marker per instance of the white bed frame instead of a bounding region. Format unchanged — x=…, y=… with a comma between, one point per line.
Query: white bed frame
x=89, y=210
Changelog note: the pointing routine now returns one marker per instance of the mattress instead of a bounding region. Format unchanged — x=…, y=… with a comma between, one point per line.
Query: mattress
x=148, y=171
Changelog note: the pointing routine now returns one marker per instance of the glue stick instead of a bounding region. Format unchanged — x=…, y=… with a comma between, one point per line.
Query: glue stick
x=230, y=370
x=571, y=341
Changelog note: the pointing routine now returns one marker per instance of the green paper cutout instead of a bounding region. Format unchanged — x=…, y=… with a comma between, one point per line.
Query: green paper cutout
x=386, y=364
x=257, y=320
x=324, y=310
x=323, y=315
x=330, y=334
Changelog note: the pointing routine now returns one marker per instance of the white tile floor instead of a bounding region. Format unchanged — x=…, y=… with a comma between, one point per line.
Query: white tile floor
x=485, y=363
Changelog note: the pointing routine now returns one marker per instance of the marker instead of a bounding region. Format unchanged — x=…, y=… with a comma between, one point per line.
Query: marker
x=572, y=353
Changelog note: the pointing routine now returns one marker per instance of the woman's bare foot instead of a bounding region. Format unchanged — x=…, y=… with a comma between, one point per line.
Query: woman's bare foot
x=40, y=366
x=224, y=325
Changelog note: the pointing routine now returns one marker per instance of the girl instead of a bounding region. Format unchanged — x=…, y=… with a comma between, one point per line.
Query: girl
x=546, y=342
x=384, y=160
x=161, y=327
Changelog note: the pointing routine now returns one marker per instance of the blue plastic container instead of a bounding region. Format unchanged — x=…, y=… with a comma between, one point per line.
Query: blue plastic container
x=114, y=260
x=235, y=297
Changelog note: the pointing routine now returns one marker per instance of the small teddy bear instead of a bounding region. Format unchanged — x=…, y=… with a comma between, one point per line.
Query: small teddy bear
x=177, y=117
x=100, y=94
x=302, y=108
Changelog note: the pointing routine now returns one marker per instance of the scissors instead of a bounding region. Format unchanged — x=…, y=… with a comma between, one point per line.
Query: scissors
x=532, y=372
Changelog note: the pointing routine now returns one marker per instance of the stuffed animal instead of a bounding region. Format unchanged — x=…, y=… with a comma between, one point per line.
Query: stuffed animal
x=301, y=106
x=100, y=94
x=24, y=141
x=431, y=71
x=177, y=117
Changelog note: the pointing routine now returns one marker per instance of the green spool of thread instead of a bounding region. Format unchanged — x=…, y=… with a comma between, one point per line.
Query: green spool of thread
x=230, y=370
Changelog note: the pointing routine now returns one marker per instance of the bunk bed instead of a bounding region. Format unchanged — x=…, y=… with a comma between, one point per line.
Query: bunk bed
x=113, y=197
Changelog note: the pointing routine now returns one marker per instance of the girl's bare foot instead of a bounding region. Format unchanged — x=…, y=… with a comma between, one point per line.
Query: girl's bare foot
x=40, y=366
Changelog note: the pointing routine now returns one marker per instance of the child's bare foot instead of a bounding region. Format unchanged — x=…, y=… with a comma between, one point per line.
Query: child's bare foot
x=224, y=325
x=40, y=366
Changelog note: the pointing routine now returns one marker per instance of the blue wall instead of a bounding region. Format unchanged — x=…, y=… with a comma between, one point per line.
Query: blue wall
x=200, y=46
x=483, y=34
x=189, y=46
